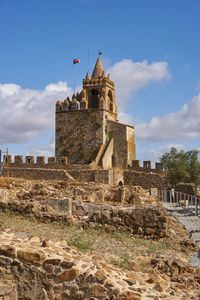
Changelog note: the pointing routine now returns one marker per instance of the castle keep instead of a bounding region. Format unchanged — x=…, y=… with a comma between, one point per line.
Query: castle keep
x=91, y=144
x=87, y=129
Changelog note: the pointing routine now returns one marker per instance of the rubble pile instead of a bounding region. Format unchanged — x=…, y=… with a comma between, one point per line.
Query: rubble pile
x=32, y=268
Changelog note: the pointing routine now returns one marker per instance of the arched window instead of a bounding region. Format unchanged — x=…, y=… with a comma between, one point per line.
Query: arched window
x=111, y=104
x=120, y=183
x=94, y=99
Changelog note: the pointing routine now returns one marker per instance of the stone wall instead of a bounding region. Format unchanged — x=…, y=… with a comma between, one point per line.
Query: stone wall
x=81, y=175
x=146, y=167
x=142, y=220
x=111, y=177
x=48, y=210
x=145, y=180
x=146, y=220
x=40, y=174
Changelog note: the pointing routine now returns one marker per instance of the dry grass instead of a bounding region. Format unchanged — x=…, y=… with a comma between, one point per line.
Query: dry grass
x=119, y=249
x=4, y=182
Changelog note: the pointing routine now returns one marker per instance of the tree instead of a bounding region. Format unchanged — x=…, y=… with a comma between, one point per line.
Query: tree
x=193, y=167
x=181, y=166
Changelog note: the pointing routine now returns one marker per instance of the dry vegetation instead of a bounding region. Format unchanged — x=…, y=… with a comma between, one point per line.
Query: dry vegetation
x=120, y=249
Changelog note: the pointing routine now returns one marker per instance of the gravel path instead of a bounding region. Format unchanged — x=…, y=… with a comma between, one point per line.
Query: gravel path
x=191, y=223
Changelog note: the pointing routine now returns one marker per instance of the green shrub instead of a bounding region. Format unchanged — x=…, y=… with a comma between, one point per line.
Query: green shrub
x=80, y=241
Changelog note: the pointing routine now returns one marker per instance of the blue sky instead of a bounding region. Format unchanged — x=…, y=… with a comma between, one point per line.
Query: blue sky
x=39, y=39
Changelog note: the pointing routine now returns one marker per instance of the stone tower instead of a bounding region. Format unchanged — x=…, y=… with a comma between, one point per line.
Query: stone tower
x=99, y=91
x=87, y=130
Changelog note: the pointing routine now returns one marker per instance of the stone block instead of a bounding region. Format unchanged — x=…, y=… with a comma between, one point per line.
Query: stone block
x=33, y=256
x=67, y=275
x=40, y=160
x=51, y=160
x=18, y=159
x=159, y=166
x=63, y=206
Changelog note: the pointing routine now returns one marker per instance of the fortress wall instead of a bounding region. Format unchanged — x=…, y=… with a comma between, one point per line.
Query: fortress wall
x=38, y=174
x=145, y=180
x=19, y=161
x=100, y=176
x=147, y=167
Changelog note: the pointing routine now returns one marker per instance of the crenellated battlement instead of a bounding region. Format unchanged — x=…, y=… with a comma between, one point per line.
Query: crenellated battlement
x=40, y=161
x=146, y=167
x=78, y=102
x=98, y=81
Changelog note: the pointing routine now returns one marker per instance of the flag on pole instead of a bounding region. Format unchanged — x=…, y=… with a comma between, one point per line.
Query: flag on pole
x=76, y=61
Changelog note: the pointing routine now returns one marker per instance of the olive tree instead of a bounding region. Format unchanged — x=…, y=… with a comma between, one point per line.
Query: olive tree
x=181, y=166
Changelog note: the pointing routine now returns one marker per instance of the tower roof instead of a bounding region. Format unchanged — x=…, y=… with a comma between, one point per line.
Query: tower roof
x=98, y=69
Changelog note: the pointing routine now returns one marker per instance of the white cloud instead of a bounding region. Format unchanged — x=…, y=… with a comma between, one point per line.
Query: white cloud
x=183, y=124
x=9, y=89
x=130, y=76
x=26, y=112
x=125, y=118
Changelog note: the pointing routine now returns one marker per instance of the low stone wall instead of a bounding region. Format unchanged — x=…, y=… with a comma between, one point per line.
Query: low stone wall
x=148, y=221
x=46, y=210
x=145, y=180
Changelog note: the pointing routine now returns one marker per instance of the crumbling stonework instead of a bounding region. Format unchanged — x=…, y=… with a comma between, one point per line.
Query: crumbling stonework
x=90, y=205
x=32, y=268
x=147, y=221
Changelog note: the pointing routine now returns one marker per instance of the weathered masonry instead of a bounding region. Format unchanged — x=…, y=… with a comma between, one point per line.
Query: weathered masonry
x=87, y=129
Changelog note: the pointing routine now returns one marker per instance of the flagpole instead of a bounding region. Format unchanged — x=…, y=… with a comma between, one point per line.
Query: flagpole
x=74, y=77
